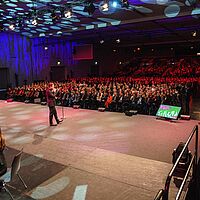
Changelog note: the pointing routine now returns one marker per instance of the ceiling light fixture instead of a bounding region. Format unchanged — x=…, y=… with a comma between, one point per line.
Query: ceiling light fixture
x=118, y=40
x=114, y=4
x=34, y=22
x=105, y=6
x=12, y=27
x=68, y=13
x=194, y=33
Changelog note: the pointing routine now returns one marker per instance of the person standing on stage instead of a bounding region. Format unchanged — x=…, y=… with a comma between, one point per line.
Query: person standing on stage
x=50, y=93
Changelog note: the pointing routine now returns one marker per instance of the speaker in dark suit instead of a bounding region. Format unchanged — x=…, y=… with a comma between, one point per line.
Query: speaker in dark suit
x=50, y=93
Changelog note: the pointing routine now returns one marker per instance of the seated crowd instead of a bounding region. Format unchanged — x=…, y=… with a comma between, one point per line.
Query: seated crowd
x=114, y=94
x=139, y=87
x=161, y=67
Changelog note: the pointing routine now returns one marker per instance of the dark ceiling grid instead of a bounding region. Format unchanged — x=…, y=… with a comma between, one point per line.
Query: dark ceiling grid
x=130, y=19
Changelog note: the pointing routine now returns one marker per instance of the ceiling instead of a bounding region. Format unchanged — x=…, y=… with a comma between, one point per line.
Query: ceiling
x=141, y=20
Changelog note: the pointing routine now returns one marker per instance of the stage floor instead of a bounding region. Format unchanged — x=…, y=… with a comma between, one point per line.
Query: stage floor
x=91, y=155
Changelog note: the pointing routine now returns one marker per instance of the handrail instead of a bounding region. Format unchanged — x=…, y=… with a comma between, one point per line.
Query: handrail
x=159, y=195
x=168, y=180
x=185, y=179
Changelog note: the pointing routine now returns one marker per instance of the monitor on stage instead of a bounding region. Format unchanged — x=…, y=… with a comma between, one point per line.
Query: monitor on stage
x=169, y=112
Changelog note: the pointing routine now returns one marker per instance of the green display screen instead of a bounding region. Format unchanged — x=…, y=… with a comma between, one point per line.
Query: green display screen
x=170, y=112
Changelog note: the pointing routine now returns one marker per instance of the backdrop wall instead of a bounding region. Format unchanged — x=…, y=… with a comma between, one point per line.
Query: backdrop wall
x=28, y=60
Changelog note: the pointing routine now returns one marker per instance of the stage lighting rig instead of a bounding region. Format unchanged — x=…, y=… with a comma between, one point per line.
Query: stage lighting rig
x=125, y=3
x=101, y=41
x=12, y=26
x=68, y=13
x=34, y=22
x=89, y=7
x=105, y=6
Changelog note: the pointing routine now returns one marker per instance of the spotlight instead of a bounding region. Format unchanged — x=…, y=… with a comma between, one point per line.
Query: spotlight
x=68, y=13
x=1, y=27
x=12, y=27
x=58, y=62
x=114, y=4
x=101, y=41
x=34, y=22
x=194, y=34
x=105, y=6
x=96, y=63
x=46, y=48
x=118, y=40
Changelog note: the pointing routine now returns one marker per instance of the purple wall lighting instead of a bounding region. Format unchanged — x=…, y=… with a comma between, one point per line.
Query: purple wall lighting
x=28, y=58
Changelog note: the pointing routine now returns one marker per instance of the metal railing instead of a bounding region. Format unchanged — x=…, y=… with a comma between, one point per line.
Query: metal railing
x=194, y=162
x=185, y=179
x=159, y=195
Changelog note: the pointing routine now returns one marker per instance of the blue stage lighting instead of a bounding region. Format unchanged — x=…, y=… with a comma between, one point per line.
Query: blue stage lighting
x=114, y=4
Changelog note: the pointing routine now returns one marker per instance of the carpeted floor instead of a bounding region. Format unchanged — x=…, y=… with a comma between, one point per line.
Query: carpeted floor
x=109, y=155
x=140, y=135
x=34, y=171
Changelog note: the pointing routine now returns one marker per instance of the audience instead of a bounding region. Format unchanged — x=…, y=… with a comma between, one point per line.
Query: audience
x=161, y=67
x=161, y=81
x=115, y=94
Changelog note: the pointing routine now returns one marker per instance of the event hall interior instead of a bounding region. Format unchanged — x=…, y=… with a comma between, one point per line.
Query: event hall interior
x=123, y=77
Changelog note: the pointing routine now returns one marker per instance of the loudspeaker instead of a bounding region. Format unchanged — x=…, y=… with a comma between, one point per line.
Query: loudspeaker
x=127, y=113
x=9, y=100
x=76, y=106
x=185, y=117
x=130, y=112
x=101, y=109
x=184, y=162
x=37, y=100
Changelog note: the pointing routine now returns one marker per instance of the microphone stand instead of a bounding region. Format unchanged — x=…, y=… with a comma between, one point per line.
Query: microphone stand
x=63, y=113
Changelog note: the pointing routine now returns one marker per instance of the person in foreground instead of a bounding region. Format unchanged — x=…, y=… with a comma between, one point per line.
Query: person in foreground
x=50, y=93
x=3, y=164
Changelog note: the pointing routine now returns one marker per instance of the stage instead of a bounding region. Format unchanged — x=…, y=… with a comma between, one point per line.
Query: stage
x=92, y=155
